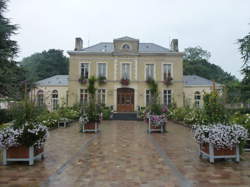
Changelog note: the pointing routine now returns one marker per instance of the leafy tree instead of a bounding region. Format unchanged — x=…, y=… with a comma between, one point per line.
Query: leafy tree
x=11, y=74
x=195, y=62
x=245, y=48
x=43, y=65
x=245, y=53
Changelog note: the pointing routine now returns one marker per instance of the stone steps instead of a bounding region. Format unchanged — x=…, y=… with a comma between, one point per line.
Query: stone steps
x=129, y=116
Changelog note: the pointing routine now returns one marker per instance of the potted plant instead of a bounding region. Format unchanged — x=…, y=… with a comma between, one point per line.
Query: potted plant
x=220, y=141
x=157, y=123
x=83, y=80
x=102, y=80
x=124, y=81
x=25, y=139
x=167, y=79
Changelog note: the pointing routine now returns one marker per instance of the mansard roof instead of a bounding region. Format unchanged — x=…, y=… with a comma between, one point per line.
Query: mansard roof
x=56, y=80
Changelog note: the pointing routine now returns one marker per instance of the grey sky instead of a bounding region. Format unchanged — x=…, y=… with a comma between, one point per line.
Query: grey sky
x=215, y=25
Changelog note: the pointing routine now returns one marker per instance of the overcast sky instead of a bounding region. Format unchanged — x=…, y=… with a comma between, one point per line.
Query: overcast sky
x=215, y=25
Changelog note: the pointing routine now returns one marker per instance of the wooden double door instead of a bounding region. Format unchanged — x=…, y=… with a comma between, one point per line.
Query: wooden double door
x=125, y=100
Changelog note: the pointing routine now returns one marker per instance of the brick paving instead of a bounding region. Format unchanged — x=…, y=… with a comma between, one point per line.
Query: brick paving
x=123, y=154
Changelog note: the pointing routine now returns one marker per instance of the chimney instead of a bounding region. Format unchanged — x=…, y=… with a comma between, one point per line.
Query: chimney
x=174, y=45
x=78, y=44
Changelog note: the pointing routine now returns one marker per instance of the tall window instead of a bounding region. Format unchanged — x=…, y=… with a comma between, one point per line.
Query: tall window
x=149, y=97
x=101, y=96
x=84, y=70
x=83, y=96
x=197, y=99
x=149, y=71
x=102, y=70
x=167, y=71
x=125, y=71
x=55, y=102
x=40, y=98
x=167, y=97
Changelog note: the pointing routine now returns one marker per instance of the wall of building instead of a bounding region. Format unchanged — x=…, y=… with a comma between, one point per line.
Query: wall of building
x=137, y=76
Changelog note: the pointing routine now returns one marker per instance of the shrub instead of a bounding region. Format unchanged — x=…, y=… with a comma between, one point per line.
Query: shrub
x=50, y=120
x=5, y=116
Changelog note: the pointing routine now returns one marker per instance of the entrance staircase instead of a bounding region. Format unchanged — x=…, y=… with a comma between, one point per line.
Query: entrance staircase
x=131, y=116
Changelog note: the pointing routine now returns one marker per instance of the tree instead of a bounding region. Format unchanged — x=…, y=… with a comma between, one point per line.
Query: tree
x=245, y=48
x=195, y=62
x=195, y=54
x=11, y=74
x=43, y=65
x=245, y=54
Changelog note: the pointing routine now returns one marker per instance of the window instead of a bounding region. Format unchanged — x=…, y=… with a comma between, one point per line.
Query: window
x=197, y=99
x=149, y=97
x=84, y=70
x=167, y=97
x=40, y=99
x=102, y=70
x=55, y=100
x=83, y=96
x=125, y=71
x=167, y=71
x=149, y=71
x=126, y=47
x=101, y=96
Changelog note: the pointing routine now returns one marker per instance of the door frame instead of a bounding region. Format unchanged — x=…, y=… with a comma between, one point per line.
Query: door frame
x=130, y=91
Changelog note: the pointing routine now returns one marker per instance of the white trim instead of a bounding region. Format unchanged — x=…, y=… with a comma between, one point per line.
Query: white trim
x=97, y=69
x=130, y=69
x=145, y=73
x=105, y=99
x=89, y=68
x=172, y=95
x=162, y=70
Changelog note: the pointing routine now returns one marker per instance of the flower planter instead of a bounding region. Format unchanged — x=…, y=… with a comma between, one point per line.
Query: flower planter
x=155, y=127
x=22, y=153
x=125, y=82
x=212, y=153
x=91, y=127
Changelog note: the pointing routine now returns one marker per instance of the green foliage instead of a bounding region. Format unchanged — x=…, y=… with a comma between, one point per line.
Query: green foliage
x=241, y=119
x=195, y=62
x=91, y=86
x=69, y=113
x=46, y=64
x=11, y=74
x=106, y=111
x=24, y=111
x=92, y=111
x=49, y=119
x=245, y=48
x=214, y=108
x=101, y=80
x=245, y=85
x=5, y=116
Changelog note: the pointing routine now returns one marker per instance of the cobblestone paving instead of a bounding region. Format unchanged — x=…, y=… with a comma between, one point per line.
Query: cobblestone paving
x=123, y=154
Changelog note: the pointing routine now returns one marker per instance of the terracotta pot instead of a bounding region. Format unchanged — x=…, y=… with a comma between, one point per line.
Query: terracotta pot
x=21, y=152
x=218, y=152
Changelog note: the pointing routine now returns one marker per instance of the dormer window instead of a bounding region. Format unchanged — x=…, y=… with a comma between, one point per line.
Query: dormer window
x=126, y=47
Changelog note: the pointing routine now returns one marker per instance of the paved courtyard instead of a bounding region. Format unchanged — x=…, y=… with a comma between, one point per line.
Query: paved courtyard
x=123, y=154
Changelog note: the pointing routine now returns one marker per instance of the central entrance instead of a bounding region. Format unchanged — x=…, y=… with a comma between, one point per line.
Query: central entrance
x=125, y=100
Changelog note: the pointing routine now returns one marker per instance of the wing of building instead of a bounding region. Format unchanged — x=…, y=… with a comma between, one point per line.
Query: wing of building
x=123, y=68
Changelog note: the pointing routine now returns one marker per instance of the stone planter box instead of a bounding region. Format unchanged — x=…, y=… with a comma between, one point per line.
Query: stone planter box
x=209, y=151
x=22, y=153
x=91, y=127
x=155, y=128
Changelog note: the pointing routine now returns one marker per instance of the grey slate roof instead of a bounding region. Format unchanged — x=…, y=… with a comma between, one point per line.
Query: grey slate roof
x=108, y=47
x=57, y=80
x=195, y=80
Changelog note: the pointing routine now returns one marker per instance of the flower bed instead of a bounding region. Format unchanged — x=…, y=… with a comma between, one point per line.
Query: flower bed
x=220, y=141
x=88, y=125
x=23, y=144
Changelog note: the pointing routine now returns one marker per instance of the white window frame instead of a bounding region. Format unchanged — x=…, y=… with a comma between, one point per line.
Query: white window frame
x=85, y=92
x=105, y=96
x=163, y=95
x=80, y=68
x=54, y=100
x=197, y=93
x=163, y=69
x=39, y=98
x=145, y=71
x=145, y=96
x=130, y=69
x=97, y=69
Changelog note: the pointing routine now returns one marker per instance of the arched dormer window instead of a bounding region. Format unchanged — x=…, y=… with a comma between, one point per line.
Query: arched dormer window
x=55, y=102
x=40, y=98
x=197, y=99
x=126, y=47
